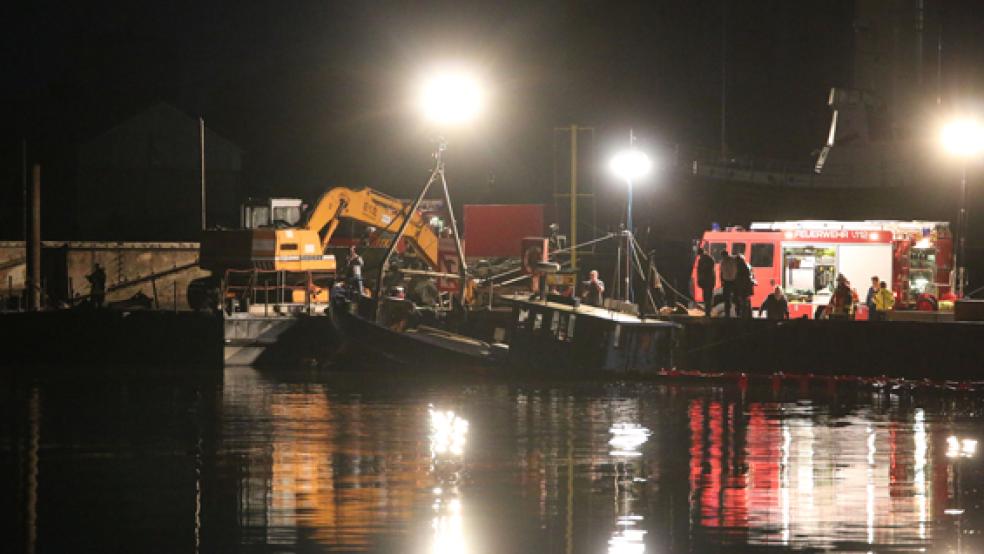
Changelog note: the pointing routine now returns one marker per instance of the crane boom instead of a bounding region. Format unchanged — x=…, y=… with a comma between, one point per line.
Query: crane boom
x=376, y=209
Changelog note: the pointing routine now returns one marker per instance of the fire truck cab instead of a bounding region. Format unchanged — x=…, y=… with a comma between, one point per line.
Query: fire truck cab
x=805, y=257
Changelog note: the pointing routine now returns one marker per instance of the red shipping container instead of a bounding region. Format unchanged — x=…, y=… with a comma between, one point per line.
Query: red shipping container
x=495, y=230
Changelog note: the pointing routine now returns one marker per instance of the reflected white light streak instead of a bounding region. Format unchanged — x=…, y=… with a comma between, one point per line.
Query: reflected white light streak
x=449, y=535
x=787, y=439
x=919, y=466
x=960, y=448
x=869, y=504
x=448, y=433
x=871, y=446
x=627, y=438
x=626, y=441
x=804, y=476
x=627, y=541
x=448, y=438
x=952, y=447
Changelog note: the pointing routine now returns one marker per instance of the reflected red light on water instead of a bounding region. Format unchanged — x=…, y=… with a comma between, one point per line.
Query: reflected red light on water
x=777, y=475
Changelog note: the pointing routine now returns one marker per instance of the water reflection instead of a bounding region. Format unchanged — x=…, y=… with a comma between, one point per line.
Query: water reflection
x=317, y=470
x=448, y=437
x=629, y=535
x=960, y=448
x=320, y=462
x=795, y=475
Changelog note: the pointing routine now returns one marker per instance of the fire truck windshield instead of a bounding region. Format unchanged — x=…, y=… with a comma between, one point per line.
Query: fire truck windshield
x=717, y=251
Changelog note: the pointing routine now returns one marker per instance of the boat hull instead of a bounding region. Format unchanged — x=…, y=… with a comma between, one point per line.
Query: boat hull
x=424, y=350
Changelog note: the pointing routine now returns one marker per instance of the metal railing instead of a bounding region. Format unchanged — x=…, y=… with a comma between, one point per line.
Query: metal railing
x=257, y=288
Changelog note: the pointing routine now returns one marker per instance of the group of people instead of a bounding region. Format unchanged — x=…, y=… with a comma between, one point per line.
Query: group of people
x=738, y=285
x=737, y=282
x=880, y=300
x=843, y=302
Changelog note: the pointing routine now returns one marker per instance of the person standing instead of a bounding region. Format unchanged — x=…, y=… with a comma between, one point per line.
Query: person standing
x=884, y=301
x=97, y=285
x=744, y=287
x=353, y=269
x=842, y=299
x=705, y=279
x=870, y=299
x=729, y=271
x=594, y=290
x=656, y=296
x=775, y=305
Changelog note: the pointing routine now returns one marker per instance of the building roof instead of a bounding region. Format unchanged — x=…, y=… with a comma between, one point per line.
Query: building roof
x=162, y=136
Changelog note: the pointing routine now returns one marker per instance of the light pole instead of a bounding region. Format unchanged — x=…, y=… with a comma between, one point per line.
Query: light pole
x=630, y=165
x=963, y=138
x=446, y=98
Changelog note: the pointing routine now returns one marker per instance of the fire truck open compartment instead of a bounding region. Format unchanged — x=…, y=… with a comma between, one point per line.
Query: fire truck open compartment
x=808, y=269
x=811, y=270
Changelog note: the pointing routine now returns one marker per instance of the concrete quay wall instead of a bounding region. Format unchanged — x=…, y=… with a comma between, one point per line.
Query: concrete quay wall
x=159, y=270
x=909, y=349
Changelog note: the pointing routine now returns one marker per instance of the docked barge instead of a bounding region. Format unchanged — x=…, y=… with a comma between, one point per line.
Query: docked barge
x=553, y=334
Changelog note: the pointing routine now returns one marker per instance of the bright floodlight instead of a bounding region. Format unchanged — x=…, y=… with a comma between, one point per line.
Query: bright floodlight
x=963, y=137
x=631, y=164
x=451, y=97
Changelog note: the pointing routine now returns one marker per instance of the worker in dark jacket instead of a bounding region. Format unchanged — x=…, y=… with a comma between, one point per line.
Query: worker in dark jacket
x=775, y=305
x=705, y=279
x=594, y=290
x=97, y=285
x=870, y=298
x=842, y=301
x=744, y=287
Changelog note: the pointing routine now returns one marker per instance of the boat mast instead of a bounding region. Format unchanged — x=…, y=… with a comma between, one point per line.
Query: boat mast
x=438, y=171
x=436, y=174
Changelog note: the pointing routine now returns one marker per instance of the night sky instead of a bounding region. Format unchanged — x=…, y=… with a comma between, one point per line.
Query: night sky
x=317, y=93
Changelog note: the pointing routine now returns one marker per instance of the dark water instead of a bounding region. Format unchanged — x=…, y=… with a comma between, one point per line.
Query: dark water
x=253, y=461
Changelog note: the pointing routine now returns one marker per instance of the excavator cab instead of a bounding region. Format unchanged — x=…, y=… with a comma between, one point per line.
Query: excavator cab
x=259, y=213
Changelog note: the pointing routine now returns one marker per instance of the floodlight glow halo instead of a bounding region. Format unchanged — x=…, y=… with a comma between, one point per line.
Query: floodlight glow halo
x=450, y=97
x=963, y=137
x=631, y=164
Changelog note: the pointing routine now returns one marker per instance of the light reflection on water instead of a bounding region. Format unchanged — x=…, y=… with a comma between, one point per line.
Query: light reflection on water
x=267, y=462
x=630, y=533
x=448, y=437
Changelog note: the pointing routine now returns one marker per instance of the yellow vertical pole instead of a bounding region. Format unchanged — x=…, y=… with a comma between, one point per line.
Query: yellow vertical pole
x=573, y=196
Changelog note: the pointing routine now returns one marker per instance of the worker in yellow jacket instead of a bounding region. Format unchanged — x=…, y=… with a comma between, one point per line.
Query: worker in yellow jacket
x=884, y=301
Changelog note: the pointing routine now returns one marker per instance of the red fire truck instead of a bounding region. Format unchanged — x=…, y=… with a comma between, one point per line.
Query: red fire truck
x=805, y=257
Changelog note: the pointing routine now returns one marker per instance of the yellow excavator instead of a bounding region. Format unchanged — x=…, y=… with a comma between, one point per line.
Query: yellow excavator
x=273, y=242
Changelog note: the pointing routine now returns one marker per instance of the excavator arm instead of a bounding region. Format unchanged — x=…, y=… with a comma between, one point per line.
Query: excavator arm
x=376, y=209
